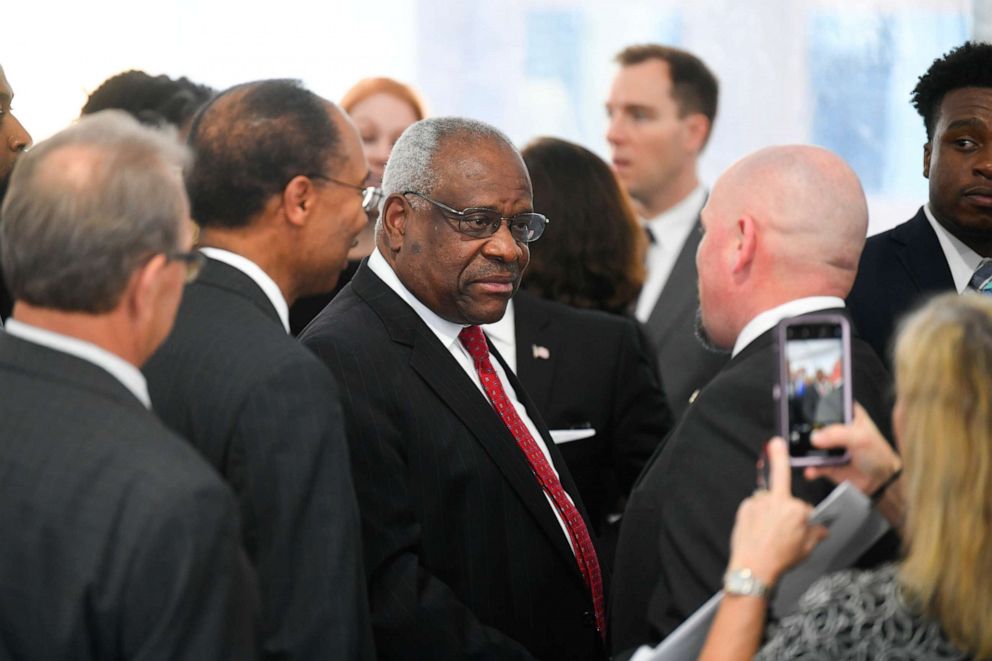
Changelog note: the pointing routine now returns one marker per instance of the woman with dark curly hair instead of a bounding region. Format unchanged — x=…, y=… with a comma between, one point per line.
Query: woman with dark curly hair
x=592, y=252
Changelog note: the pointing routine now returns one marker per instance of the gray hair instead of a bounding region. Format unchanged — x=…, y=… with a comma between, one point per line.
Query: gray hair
x=410, y=165
x=85, y=207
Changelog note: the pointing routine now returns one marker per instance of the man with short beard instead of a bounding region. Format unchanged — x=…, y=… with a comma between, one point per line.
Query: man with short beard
x=783, y=229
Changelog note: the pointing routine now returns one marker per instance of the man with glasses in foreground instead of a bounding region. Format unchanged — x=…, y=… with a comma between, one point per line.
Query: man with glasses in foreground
x=119, y=541
x=276, y=187
x=476, y=543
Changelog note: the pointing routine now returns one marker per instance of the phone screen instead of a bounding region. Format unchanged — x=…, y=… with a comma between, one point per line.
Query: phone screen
x=816, y=384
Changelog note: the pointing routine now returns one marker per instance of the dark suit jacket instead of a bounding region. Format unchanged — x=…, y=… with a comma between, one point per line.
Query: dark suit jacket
x=118, y=541
x=898, y=269
x=685, y=365
x=464, y=555
x=675, y=534
x=600, y=374
x=265, y=413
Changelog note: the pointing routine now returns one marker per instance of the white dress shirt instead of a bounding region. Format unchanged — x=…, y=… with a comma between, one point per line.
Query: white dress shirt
x=961, y=259
x=670, y=230
x=447, y=332
x=129, y=375
x=504, y=335
x=258, y=276
x=769, y=318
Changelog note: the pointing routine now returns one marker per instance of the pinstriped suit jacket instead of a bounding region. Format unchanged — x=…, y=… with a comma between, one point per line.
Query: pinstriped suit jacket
x=464, y=554
x=117, y=541
x=265, y=413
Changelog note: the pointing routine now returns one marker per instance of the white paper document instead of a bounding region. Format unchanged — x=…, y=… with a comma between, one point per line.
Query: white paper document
x=854, y=526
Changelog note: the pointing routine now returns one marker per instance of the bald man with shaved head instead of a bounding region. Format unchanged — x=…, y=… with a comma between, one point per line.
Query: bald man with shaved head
x=783, y=232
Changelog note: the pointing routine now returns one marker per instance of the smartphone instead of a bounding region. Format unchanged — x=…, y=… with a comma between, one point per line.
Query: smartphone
x=814, y=384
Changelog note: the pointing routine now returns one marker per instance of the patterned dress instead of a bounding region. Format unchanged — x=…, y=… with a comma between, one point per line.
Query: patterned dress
x=857, y=615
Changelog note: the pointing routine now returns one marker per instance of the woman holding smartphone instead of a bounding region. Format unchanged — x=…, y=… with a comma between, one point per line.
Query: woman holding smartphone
x=937, y=602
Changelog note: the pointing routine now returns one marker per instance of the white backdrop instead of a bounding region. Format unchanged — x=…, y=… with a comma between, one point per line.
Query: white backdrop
x=831, y=72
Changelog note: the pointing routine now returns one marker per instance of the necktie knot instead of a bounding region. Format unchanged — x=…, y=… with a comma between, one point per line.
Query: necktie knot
x=981, y=280
x=474, y=341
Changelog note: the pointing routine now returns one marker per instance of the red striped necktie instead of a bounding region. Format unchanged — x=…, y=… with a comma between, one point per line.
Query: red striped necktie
x=585, y=553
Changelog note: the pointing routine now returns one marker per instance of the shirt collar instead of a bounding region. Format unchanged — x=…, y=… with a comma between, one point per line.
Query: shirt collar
x=681, y=216
x=504, y=336
x=961, y=259
x=766, y=320
x=446, y=331
x=258, y=276
x=129, y=375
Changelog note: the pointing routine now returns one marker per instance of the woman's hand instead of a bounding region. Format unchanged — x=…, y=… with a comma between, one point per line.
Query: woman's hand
x=772, y=532
x=873, y=461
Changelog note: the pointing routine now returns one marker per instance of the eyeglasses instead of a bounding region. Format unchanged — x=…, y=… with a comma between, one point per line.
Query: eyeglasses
x=371, y=195
x=192, y=260
x=480, y=223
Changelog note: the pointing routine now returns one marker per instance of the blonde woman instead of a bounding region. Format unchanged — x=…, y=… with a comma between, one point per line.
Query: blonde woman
x=936, y=603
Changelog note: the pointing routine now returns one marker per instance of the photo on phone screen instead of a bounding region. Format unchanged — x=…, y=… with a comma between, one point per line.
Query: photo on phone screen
x=814, y=383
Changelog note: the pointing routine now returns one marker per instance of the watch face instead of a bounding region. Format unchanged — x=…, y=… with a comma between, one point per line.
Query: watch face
x=742, y=582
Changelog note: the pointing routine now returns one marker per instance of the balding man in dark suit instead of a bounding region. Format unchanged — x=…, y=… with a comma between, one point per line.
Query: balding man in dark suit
x=119, y=541
x=278, y=208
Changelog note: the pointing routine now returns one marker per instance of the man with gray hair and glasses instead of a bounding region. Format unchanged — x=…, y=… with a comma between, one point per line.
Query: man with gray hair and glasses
x=476, y=542
x=119, y=541
x=277, y=189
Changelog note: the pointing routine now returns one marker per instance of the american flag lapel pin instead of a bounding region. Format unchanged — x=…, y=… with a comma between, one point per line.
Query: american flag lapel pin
x=540, y=352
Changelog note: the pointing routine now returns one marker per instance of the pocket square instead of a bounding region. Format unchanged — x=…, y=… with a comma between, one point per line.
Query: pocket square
x=540, y=352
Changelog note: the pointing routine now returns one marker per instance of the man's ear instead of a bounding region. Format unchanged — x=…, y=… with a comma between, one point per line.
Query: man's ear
x=298, y=199
x=747, y=243
x=927, y=149
x=143, y=288
x=697, y=127
x=396, y=213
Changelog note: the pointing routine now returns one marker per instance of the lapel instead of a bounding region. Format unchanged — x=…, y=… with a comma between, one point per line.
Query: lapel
x=678, y=297
x=218, y=275
x=51, y=365
x=432, y=362
x=919, y=251
x=533, y=327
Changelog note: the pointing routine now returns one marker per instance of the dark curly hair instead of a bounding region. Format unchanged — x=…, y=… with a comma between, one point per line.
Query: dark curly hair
x=249, y=142
x=968, y=65
x=591, y=255
x=152, y=100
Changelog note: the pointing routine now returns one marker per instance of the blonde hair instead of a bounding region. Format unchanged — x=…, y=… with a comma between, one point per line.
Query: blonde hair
x=366, y=87
x=944, y=381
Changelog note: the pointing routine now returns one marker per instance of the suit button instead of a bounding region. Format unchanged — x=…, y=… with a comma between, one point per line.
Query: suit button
x=589, y=619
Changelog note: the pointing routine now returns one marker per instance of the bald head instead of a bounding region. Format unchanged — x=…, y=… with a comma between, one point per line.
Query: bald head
x=781, y=224
x=808, y=205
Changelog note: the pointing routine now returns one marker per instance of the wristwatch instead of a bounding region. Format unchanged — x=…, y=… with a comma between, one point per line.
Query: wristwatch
x=742, y=582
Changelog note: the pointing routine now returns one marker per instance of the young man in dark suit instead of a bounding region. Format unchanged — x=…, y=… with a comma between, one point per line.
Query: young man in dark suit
x=784, y=229
x=119, y=541
x=276, y=187
x=475, y=541
x=946, y=244
x=661, y=109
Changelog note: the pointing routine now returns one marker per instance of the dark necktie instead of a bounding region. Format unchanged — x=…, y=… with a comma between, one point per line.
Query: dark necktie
x=474, y=341
x=981, y=280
